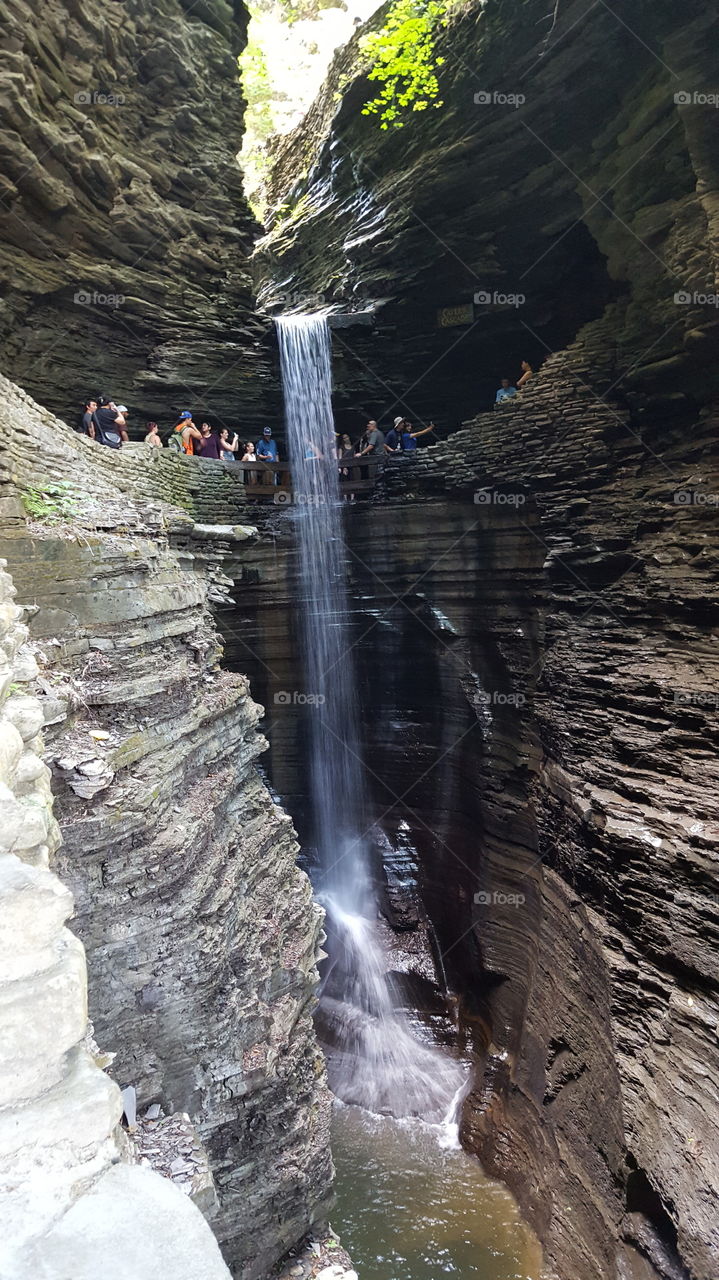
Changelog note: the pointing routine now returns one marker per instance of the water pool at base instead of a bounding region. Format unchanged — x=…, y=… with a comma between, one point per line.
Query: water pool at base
x=410, y=1209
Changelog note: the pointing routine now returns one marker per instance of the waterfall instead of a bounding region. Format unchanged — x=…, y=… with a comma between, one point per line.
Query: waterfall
x=374, y=1060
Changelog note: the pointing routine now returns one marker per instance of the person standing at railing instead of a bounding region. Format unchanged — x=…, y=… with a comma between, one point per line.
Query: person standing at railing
x=375, y=442
x=408, y=438
x=267, y=447
x=392, y=439
x=267, y=450
x=250, y=456
x=229, y=446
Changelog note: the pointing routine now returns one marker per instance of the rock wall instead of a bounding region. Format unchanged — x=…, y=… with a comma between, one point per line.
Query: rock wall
x=70, y=1204
x=567, y=842
x=534, y=607
x=125, y=232
x=200, y=931
x=595, y=867
x=570, y=164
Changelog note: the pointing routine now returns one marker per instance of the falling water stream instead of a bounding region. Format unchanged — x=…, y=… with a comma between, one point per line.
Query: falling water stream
x=401, y=1095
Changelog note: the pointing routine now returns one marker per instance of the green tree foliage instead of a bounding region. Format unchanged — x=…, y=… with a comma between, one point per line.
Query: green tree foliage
x=405, y=61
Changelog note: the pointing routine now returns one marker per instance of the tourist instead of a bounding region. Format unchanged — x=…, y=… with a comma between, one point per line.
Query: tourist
x=88, y=424
x=409, y=438
x=183, y=434
x=392, y=439
x=250, y=456
x=375, y=442
x=346, y=448
x=267, y=450
x=227, y=449
x=527, y=374
x=267, y=447
x=109, y=424
x=152, y=435
x=208, y=445
x=506, y=392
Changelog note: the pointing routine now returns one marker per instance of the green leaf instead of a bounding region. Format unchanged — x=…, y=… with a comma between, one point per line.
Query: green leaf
x=404, y=60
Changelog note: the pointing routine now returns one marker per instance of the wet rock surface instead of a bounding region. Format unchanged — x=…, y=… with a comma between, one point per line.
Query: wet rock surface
x=537, y=673
x=559, y=174
x=535, y=597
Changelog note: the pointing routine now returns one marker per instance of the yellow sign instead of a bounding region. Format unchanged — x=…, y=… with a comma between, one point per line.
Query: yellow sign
x=447, y=317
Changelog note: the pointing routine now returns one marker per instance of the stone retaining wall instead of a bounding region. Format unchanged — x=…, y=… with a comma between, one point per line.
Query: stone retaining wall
x=39, y=449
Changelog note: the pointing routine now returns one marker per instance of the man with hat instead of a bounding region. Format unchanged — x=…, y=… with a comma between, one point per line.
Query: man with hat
x=267, y=446
x=267, y=451
x=184, y=433
x=392, y=439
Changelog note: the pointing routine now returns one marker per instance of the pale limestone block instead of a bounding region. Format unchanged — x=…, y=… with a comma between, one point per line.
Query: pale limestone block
x=132, y=1223
x=25, y=712
x=35, y=908
x=11, y=748
x=42, y=1017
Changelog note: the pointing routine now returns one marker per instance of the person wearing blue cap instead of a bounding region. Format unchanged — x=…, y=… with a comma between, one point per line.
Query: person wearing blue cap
x=267, y=450
x=267, y=447
x=183, y=433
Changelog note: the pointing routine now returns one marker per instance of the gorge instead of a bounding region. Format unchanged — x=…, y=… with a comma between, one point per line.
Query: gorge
x=526, y=608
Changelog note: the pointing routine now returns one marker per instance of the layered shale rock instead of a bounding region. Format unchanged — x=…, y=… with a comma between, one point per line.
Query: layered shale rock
x=71, y=1202
x=564, y=168
x=200, y=931
x=125, y=233
x=554, y=565
x=584, y=897
x=533, y=609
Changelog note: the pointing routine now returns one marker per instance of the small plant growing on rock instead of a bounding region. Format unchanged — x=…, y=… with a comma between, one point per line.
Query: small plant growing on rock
x=52, y=502
x=405, y=61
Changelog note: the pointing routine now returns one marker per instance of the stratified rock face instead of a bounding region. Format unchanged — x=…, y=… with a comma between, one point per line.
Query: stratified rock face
x=200, y=931
x=569, y=846
x=69, y=1206
x=585, y=826
x=533, y=609
x=563, y=169
x=125, y=233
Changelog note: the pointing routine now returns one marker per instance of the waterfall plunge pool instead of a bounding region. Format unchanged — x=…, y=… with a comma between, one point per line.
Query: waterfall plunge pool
x=412, y=1207
x=411, y=1204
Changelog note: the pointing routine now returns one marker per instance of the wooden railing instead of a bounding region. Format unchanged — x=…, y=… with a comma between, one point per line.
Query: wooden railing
x=269, y=480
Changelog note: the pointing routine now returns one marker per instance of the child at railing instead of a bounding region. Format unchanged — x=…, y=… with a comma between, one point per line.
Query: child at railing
x=250, y=456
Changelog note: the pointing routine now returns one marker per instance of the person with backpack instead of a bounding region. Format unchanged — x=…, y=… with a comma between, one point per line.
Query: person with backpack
x=109, y=424
x=183, y=434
